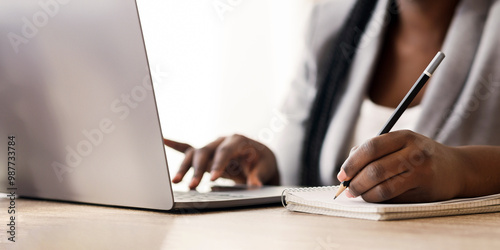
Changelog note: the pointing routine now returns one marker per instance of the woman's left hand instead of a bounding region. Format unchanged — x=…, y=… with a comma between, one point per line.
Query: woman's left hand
x=403, y=166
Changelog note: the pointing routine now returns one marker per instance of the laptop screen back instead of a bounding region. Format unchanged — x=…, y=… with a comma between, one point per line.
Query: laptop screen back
x=76, y=93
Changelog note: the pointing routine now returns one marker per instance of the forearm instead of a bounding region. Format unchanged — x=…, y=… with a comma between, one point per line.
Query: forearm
x=481, y=170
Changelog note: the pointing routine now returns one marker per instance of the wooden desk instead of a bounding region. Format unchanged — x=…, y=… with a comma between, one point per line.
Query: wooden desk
x=58, y=225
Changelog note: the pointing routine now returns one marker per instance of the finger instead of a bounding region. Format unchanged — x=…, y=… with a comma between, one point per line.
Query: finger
x=412, y=195
x=379, y=171
x=201, y=159
x=181, y=147
x=372, y=150
x=185, y=166
x=390, y=189
x=228, y=150
x=253, y=178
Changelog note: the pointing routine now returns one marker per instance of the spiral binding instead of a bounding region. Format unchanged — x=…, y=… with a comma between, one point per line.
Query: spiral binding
x=303, y=189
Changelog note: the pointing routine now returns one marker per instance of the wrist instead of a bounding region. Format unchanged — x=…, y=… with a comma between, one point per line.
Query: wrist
x=463, y=171
x=479, y=170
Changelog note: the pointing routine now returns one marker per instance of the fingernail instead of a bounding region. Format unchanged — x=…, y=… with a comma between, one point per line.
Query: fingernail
x=193, y=183
x=341, y=176
x=353, y=149
x=213, y=175
x=176, y=179
x=348, y=194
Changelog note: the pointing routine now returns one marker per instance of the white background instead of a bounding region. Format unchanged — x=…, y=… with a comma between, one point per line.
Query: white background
x=221, y=71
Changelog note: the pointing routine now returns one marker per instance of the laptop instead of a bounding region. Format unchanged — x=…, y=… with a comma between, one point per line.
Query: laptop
x=78, y=112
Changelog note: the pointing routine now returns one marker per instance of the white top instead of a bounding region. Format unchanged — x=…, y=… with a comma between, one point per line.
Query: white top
x=373, y=117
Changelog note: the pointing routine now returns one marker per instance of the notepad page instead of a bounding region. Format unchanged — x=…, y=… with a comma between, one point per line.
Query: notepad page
x=323, y=198
x=391, y=216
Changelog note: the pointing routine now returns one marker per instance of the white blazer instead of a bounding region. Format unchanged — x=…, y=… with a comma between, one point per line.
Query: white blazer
x=461, y=105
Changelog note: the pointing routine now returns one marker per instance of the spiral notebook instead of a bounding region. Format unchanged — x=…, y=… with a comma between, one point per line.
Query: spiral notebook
x=319, y=200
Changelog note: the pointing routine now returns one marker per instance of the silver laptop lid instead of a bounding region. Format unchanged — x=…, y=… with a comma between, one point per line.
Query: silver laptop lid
x=76, y=92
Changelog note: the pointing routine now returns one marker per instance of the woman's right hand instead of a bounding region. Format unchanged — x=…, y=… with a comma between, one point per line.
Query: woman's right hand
x=234, y=157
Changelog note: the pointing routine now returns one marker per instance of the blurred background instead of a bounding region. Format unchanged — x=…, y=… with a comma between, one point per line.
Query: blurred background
x=221, y=66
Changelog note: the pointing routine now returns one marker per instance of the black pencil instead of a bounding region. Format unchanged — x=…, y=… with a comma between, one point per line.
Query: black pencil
x=419, y=84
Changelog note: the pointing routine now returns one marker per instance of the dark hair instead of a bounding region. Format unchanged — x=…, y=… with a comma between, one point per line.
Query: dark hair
x=332, y=72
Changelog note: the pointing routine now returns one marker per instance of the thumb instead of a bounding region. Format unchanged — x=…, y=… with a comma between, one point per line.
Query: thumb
x=253, y=178
x=178, y=146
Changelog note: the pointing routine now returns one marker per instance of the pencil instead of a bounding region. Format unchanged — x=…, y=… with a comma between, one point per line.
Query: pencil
x=403, y=105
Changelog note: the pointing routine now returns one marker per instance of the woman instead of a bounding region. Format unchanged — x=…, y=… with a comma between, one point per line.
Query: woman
x=362, y=59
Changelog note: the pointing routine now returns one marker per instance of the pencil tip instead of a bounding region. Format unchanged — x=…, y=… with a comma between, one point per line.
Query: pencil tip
x=335, y=197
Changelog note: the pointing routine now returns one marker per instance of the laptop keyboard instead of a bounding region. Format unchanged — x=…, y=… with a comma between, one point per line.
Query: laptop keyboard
x=211, y=196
